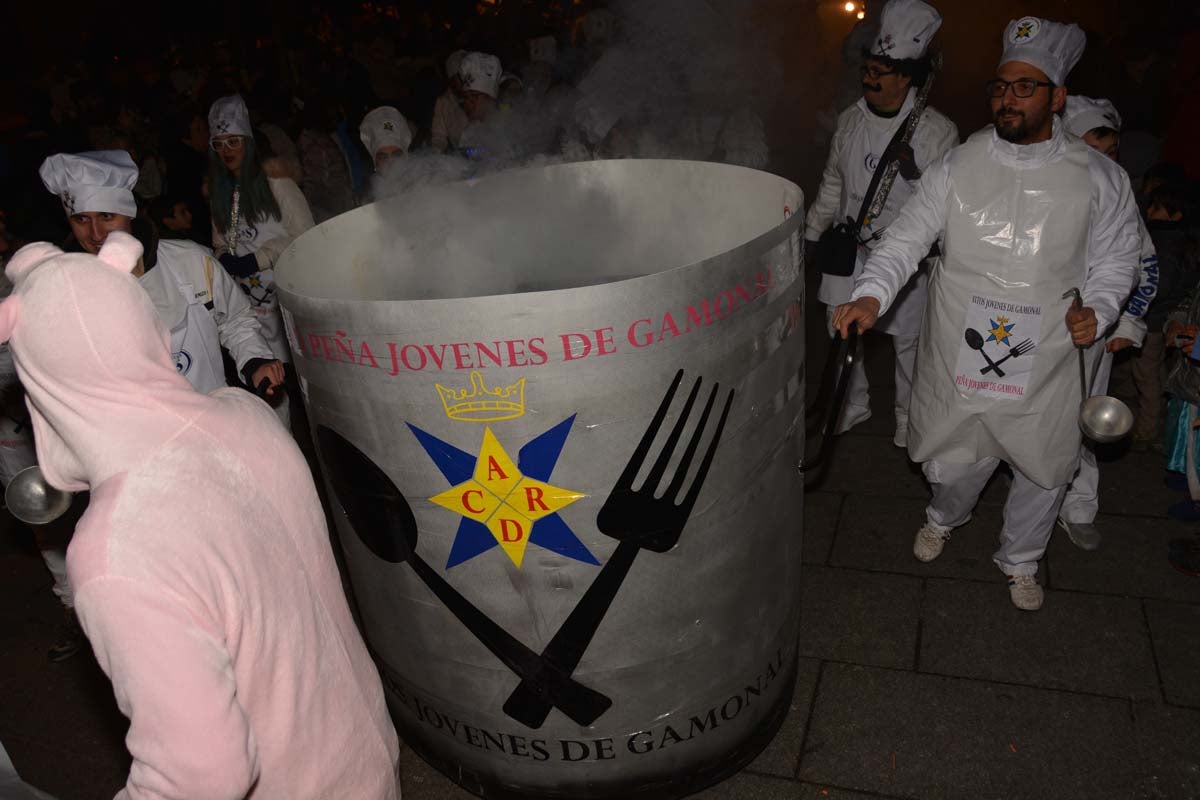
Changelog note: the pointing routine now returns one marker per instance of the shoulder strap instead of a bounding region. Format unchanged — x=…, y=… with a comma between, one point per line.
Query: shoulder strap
x=208, y=276
x=880, y=168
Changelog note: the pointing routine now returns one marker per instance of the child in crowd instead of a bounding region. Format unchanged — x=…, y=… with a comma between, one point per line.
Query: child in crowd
x=1165, y=209
x=173, y=219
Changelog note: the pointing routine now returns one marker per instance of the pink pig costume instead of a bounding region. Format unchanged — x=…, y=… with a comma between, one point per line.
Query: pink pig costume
x=215, y=608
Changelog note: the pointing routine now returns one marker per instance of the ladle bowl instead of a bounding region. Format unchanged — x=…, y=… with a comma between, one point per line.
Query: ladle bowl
x=1105, y=419
x=34, y=501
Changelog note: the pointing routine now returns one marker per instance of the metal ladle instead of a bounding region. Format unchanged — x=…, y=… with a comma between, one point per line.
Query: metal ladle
x=1102, y=418
x=34, y=501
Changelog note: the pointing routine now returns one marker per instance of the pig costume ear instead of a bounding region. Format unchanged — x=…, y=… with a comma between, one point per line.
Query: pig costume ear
x=28, y=257
x=120, y=251
x=20, y=265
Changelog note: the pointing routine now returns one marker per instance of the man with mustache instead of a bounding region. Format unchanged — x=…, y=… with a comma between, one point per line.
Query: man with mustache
x=896, y=65
x=1027, y=213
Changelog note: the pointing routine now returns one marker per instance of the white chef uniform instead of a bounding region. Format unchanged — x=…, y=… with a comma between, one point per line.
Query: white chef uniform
x=1082, y=501
x=265, y=238
x=203, y=309
x=1021, y=225
x=858, y=144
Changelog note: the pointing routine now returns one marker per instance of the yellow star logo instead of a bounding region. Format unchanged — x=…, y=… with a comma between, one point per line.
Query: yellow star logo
x=501, y=498
x=1000, y=330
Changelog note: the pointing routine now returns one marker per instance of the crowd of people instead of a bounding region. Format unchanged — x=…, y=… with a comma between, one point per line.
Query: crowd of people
x=988, y=263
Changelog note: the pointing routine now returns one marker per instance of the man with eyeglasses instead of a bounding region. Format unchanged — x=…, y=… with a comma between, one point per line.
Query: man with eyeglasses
x=1041, y=248
x=897, y=65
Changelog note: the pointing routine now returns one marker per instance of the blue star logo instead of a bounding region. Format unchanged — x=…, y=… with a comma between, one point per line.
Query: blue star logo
x=536, y=461
x=1001, y=330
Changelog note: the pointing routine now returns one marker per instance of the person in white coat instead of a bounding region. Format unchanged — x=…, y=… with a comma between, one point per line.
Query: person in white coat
x=449, y=119
x=897, y=64
x=255, y=218
x=199, y=304
x=1098, y=124
x=1027, y=214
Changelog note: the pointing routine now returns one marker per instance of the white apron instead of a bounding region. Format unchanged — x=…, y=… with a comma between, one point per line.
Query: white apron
x=260, y=287
x=1015, y=241
x=180, y=304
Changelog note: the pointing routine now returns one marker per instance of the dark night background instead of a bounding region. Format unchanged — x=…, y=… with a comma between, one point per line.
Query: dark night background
x=125, y=44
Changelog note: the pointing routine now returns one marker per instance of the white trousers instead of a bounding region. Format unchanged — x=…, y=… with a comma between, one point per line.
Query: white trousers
x=56, y=562
x=858, y=400
x=1083, y=495
x=1029, y=511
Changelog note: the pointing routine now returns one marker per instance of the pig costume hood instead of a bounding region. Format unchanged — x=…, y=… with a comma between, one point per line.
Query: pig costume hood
x=101, y=392
x=202, y=569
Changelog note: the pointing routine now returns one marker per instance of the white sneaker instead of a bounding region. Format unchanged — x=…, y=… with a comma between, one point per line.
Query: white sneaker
x=901, y=437
x=1025, y=592
x=851, y=416
x=930, y=541
x=1082, y=534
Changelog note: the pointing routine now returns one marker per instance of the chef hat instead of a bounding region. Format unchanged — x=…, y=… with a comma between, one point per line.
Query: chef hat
x=905, y=28
x=1052, y=47
x=1083, y=114
x=100, y=182
x=229, y=117
x=453, y=62
x=480, y=72
x=382, y=127
x=598, y=25
x=543, y=48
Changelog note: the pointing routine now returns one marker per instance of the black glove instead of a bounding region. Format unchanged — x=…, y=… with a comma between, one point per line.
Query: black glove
x=239, y=266
x=903, y=155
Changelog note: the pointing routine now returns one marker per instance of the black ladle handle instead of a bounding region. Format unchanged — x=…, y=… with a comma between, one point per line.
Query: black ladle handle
x=846, y=352
x=1076, y=304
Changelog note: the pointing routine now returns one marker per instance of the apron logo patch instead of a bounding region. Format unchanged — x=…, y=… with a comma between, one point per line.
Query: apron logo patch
x=1025, y=31
x=996, y=356
x=183, y=362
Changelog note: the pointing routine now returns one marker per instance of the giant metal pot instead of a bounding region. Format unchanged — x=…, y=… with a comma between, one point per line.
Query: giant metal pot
x=492, y=369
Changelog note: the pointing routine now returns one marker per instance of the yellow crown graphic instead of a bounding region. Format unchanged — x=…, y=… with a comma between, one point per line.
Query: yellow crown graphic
x=481, y=404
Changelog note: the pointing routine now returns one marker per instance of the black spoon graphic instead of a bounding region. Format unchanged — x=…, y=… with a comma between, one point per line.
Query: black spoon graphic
x=975, y=342
x=384, y=522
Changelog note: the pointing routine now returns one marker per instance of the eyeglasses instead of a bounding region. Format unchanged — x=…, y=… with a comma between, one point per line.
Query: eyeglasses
x=874, y=73
x=1021, y=87
x=228, y=143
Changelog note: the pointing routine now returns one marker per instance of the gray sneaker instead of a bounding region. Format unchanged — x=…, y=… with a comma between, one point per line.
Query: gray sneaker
x=1025, y=592
x=1083, y=534
x=929, y=541
x=70, y=639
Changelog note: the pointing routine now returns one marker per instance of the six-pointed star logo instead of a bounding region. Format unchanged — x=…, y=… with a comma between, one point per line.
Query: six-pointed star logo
x=1000, y=331
x=503, y=502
